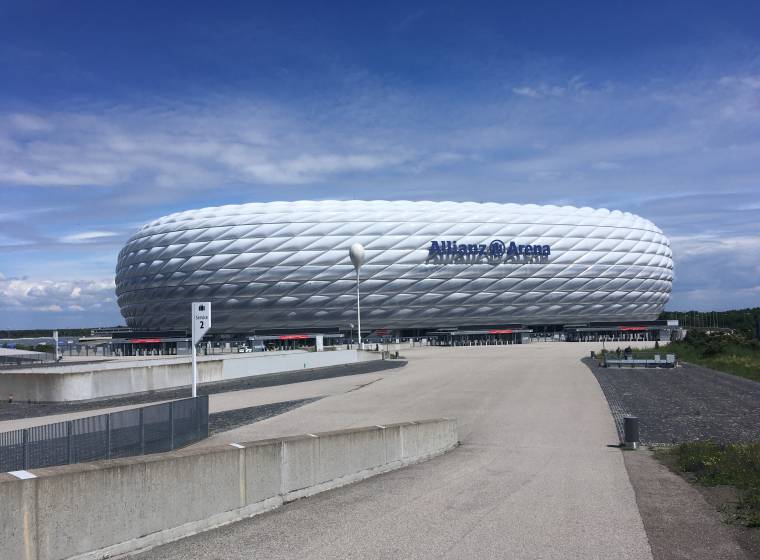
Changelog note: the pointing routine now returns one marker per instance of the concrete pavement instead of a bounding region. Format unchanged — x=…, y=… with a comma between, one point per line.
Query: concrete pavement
x=534, y=477
x=221, y=402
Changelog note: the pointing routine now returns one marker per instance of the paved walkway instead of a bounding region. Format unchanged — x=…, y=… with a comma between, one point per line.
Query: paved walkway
x=534, y=477
x=680, y=523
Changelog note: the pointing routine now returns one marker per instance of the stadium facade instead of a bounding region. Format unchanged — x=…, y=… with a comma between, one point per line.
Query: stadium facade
x=285, y=265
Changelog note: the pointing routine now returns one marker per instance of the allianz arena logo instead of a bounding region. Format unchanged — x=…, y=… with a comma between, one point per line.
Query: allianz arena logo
x=494, y=252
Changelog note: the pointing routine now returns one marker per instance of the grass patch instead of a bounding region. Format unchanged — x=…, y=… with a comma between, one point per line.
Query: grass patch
x=713, y=464
x=724, y=352
x=733, y=358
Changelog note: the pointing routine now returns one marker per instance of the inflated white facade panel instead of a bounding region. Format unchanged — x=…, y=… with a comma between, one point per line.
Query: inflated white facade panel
x=285, y=265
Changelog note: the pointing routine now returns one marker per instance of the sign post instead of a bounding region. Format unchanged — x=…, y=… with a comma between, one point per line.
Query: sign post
x=201, y=319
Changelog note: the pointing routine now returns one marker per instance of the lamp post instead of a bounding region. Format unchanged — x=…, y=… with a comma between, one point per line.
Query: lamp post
x=356, y=253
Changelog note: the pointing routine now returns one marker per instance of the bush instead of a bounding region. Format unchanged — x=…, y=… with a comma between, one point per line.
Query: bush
x=731, y=353
x=713, y=346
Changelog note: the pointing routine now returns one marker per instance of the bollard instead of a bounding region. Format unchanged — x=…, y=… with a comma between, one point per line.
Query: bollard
x=631, y=432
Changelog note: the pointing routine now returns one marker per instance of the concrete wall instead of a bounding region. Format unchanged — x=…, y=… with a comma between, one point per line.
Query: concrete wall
x=102, y=509
x=123, y=376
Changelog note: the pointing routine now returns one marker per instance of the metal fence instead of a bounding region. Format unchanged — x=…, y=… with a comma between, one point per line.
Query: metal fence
x=20, y=359
x=149, y=429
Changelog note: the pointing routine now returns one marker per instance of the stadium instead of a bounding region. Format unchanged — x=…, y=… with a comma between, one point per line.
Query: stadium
x=284, y=266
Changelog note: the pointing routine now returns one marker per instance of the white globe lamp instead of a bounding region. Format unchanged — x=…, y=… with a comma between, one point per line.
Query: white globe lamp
x=356, y=253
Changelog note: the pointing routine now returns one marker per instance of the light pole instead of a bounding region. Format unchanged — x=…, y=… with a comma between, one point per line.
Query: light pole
x=356, y=253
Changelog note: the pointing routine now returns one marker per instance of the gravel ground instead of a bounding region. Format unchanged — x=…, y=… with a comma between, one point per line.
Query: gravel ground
x=12, y=411
x=229, y=419
x=686, y=403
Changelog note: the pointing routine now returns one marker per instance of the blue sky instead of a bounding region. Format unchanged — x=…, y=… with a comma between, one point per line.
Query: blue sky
x=115, y=113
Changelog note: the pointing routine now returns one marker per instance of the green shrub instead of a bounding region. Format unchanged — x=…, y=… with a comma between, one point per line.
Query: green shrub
x=731, y=353
x=713, y=346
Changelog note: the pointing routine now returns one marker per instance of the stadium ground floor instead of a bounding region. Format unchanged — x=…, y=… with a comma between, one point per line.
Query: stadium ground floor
x=130, y=342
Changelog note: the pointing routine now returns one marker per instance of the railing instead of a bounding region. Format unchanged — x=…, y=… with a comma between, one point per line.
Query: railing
x=149, y=429
x=20, y=359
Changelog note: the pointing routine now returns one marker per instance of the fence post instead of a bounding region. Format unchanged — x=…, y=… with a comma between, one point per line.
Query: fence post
x=171, y=425
x=25, y=439
x=197, y=418
x=108, y=436
x=142, y=432
x=69, y=447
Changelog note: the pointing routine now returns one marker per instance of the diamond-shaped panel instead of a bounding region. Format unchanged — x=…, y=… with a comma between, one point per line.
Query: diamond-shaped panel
x=285, y=265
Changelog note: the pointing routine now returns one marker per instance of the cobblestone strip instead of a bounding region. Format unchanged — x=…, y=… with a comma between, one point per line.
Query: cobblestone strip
x=687, y=403
x=231, y=419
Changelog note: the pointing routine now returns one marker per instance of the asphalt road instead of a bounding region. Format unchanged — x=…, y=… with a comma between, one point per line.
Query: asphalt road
x=533, y=478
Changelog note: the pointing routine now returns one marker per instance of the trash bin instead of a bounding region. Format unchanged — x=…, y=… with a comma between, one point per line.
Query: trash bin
x=630, y=432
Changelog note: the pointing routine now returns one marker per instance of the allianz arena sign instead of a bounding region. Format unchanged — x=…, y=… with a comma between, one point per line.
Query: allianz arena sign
x=494, y=252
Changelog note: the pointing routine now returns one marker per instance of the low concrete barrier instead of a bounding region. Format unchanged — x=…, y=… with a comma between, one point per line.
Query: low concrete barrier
x=103, y=509
x=124, y=376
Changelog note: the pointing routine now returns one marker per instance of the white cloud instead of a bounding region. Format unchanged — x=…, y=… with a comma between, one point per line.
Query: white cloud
x=306, y=168
x=198, y=146
x=86, y=236
x=752, y=82
x=22, y=294
x=715, y=271
x=29, y=123
x=708, y=244
x=53, y=308
x=540, y=91
x=526, y=92
x=578, y=128
x=575, y=86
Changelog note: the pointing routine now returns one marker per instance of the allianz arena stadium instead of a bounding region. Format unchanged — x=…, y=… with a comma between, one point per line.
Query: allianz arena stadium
x=285, y=265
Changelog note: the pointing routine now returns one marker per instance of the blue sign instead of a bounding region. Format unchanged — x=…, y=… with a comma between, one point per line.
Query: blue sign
x=495, y=250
